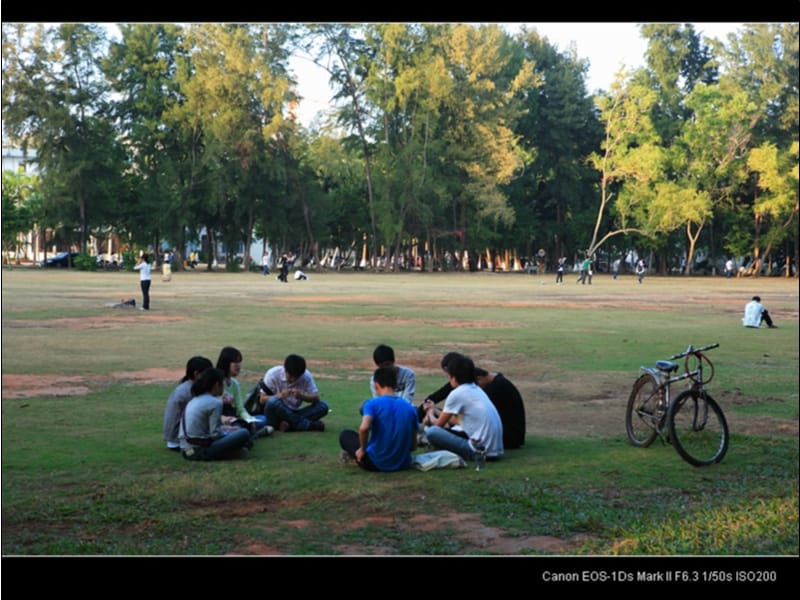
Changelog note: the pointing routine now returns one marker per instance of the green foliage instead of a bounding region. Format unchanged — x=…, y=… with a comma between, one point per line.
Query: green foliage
x=85, y=262
x=458, y=136
x=129, y=260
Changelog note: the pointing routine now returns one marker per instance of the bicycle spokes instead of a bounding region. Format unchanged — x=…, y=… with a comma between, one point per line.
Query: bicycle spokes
x=644, y=415
x=697, y=428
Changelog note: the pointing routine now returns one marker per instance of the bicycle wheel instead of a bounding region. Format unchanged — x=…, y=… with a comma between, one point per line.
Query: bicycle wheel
x=697, y=428
x=644, y=411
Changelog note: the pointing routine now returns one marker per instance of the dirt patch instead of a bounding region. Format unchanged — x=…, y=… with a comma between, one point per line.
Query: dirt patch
x=469, y=530
x=17, y=386
x=107, y=322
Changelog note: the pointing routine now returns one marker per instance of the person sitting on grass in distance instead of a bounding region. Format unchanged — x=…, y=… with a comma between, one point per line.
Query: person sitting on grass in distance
x=469, y=408
x=179, y=398
x=383, y=356
x=388, y=432
x=755, y=313
x=236, y=415
x=288, y=387
x=202, y=436
x=508, y=401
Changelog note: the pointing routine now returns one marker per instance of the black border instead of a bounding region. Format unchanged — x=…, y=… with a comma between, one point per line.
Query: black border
x=186, y=575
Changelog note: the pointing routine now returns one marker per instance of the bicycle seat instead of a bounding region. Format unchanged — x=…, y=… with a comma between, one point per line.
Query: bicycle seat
x=666, y=366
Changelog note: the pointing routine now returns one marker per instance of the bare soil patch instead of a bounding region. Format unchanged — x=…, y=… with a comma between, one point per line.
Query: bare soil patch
x=469, y=530
x=33, y=386
x=103, y=322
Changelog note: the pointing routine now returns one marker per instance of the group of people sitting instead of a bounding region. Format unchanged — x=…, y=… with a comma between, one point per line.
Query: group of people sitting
x=483, y=415
x=208, y=418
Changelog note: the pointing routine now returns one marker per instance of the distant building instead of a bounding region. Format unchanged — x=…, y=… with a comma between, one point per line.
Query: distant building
x=15, y=160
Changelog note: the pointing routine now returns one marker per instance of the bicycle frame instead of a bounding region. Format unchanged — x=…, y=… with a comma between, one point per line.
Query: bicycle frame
x=661, y=375
x=690, y=419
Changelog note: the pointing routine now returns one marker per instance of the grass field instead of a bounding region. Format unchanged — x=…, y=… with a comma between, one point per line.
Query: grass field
x=85, y=471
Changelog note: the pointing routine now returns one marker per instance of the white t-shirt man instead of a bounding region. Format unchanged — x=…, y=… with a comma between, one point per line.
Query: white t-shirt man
x=752, y=314
x=477, y=416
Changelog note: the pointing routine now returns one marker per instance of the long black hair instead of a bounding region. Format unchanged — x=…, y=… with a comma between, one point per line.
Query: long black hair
x=207, y=380
x=196, y=364
x=228, y=355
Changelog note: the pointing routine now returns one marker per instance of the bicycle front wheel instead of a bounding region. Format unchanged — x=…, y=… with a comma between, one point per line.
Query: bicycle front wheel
x=644, y=411
x=698, y=429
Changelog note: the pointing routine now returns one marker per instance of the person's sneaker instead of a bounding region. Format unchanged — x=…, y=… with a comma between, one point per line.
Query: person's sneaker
x=243, y=453
x=316, y=426
x=345, y=458
x=264, y=431
x=283, y=426
x=773, y=326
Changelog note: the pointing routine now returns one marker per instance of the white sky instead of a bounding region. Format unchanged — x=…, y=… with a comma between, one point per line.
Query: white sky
x=608, y=46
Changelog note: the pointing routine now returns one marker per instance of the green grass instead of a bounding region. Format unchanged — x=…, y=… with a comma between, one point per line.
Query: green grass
x=87, y=474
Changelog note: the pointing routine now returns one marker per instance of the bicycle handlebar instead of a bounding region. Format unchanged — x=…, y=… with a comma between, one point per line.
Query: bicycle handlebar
x=692, y=350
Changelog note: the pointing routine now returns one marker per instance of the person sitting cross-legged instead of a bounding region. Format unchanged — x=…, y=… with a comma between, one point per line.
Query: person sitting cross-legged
x=179, y=398
x=383, y=356
x=288, y=387
x=470, y=410
x=388, y=432
x=202, y=435
x=508, y=401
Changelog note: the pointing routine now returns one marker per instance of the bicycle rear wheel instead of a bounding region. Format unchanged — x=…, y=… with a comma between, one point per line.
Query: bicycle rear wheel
x=698, y=429
x=644, y=412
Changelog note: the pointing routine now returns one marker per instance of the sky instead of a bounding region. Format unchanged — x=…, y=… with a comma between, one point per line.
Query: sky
x=607, y=46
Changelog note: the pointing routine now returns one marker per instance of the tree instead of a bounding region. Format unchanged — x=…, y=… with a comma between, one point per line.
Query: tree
x=141, y=67
x=57, y=105
x=558, y=130
x=778, y=180
x=762, y=63
x=19, y=196
x=345, y=55
x=234, y=89
x=630, y=161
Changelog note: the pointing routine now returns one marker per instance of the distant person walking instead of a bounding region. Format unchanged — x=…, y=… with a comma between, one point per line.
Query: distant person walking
x=640, y=270
x=283, y=266
x=590, y=270
x=560, y=270
x=585, y=266
x=729, y=268
x=143, y=266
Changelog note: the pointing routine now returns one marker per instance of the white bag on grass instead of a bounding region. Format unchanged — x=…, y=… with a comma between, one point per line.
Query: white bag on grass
x=438, y=459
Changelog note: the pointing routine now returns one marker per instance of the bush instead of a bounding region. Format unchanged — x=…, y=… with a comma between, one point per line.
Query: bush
x=128, y=261
x=84, y=262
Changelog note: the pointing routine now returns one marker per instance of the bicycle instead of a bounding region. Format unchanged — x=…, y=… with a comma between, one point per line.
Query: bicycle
x=694, y=423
